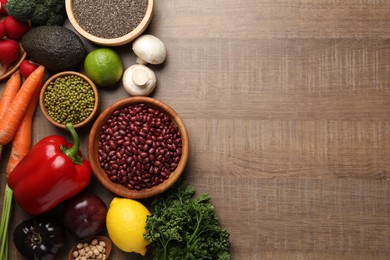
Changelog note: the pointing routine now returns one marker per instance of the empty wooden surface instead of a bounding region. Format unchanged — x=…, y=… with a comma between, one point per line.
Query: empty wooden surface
x=287, y=106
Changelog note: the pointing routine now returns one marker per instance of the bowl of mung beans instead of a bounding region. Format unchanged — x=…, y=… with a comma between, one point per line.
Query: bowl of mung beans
x=138, y=147
x=69, y=97
x=109, y=23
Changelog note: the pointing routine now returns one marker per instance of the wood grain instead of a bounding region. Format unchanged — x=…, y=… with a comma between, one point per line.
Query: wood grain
x=287, y=107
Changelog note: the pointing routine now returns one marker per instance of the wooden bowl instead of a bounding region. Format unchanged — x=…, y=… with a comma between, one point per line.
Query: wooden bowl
x=15, y=66
x=67, y=73
x=89, y=240
x=110, y=41
x=93, y=147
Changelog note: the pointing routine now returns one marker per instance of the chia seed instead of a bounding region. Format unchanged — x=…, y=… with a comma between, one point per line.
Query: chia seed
x=109, y=18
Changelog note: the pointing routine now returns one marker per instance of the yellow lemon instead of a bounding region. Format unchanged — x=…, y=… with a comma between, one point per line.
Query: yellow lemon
x=103, y=66
x=126, y=221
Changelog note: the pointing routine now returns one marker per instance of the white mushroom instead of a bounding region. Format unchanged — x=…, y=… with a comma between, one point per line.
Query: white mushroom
x=149, y=49
x=139, y=80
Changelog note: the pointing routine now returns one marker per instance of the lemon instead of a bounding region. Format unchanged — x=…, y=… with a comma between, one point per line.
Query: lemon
x=103, y=66
x=126, y=221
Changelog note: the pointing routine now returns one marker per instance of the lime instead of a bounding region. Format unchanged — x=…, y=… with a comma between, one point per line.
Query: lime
x=126, y=222
x=103, y=66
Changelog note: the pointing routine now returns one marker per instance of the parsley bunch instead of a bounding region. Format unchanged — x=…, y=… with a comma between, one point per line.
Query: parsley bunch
x=182, y=227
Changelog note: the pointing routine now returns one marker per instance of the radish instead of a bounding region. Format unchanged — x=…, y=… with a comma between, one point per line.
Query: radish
x=2, y=9
x=15, y=28
x=9, y=53
x=27, y=67
x=2, y=30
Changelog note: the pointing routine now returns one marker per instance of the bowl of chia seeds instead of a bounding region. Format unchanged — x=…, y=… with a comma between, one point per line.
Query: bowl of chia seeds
x=109, y=23
x=69, y=97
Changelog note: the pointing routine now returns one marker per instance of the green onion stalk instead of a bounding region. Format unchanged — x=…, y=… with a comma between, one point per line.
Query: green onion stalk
x=5, y=216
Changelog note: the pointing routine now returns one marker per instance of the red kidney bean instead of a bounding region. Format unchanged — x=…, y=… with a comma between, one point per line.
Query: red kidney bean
x=122, y=161
x=139, y=166
x=145, y=147
x=134, y=150
x=139, y=159
x=139, y=147
x=176, y=159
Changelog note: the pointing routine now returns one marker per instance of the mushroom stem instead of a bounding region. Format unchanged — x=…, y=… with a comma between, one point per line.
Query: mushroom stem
x=140, y=78
x=141, y=61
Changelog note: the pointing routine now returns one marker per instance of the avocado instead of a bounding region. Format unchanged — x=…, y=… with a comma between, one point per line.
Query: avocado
x=55, y=47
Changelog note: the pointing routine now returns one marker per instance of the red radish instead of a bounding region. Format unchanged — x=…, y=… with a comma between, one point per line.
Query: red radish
x=27, y=67
x=9, y=53
x=2, y=30
x=15, y=28
x=2, y=9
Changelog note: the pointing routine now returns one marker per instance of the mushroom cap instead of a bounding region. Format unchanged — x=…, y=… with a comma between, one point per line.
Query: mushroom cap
x=139, y=80
x=150, y=49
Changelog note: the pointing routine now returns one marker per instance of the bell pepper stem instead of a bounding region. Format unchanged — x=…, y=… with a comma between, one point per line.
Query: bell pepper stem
x=36, y=238
x=72, y=152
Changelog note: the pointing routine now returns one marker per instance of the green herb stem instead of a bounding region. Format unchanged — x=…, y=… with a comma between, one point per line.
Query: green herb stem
x=5, y=216
x=195, y=234
x=165, y=246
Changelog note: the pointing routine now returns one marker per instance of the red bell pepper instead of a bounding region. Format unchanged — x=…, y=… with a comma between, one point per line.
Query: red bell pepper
x=50, y=173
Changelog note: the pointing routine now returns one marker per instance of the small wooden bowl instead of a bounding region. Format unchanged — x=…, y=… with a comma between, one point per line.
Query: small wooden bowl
x=113, y=41
x=68, y=73
x=89, y=240
x=93, y=146
x=15, y=66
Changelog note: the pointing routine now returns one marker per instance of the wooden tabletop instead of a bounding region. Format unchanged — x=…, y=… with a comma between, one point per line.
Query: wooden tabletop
x=287, y=106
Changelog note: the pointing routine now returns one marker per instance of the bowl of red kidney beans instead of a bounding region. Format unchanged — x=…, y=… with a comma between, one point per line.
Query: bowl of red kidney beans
x=138, y=147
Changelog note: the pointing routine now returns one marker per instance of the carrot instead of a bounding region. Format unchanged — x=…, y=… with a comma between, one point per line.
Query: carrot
x=22, y=140
x=9, y=93
x=14, y=116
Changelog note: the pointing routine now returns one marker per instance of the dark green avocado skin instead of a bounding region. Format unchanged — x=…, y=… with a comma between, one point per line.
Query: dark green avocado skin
x=55, y=47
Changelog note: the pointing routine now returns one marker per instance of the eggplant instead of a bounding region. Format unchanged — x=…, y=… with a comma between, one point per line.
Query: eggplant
x=39, y=238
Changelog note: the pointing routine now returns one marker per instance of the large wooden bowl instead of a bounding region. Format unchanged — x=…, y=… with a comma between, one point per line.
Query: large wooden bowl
x=67, y=73
x=93, y=146
x=113, y=41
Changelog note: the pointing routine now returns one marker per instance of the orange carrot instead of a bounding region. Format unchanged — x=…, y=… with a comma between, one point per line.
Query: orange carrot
x=21, y=142
x=9, y=93
x=14, y=116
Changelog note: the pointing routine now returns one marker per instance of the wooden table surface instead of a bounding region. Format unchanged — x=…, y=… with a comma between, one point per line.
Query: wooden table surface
x=287, y=105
